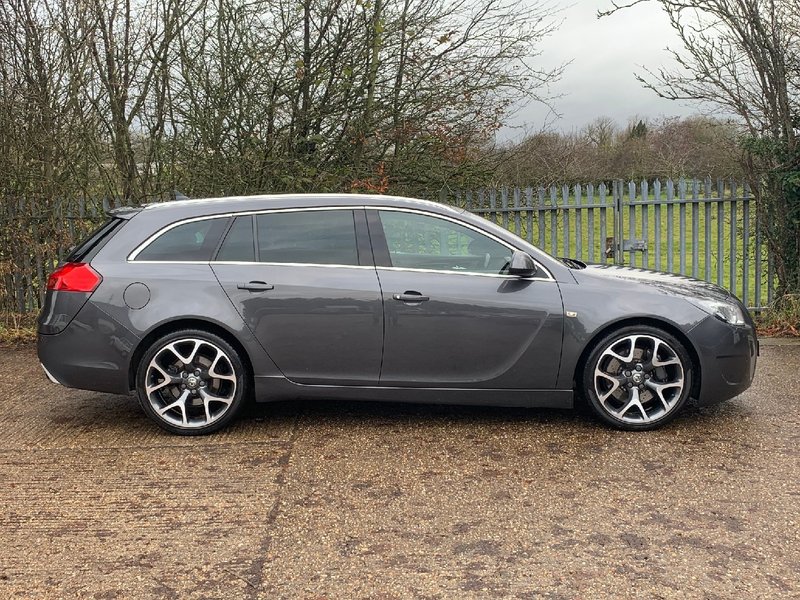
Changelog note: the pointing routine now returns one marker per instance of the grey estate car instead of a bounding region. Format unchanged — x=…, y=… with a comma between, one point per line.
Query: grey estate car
x=200, y=305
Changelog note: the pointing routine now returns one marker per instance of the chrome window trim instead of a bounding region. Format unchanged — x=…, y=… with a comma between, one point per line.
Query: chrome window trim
x=287, y=264
x=132, y=256
x=328, y=266
x=170, y=262
x=247, y=263
x=468, y=273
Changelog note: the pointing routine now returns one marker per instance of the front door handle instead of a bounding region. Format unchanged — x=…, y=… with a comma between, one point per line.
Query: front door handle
x=411, y=297
x=256, y=286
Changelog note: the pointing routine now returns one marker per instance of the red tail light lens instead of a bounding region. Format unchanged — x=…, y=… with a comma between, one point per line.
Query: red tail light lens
x=74, y=277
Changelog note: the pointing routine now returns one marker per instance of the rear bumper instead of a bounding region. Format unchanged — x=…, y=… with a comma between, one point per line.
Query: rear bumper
x=728, y=356
x=50, y=375
x=93, y=353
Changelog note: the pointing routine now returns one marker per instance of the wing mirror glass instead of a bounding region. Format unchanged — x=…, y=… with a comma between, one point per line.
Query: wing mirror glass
x=521, y=264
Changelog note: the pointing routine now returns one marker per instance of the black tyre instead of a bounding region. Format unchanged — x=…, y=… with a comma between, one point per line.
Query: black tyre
x=637, y=378
x=191, y=382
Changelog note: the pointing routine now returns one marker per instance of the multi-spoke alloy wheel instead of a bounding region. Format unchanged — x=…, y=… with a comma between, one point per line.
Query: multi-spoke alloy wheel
x=190, y=382
x=638, y=378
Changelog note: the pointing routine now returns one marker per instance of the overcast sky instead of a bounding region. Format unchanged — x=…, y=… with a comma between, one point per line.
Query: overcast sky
x=600, y=81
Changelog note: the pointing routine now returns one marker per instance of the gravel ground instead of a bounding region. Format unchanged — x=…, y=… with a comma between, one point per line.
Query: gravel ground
x=343, y=500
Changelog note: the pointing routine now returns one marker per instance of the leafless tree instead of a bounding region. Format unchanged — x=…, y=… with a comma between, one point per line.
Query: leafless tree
x=130, y=100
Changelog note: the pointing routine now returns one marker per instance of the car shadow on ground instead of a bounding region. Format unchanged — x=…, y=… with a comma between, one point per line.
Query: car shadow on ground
x=360, y=412
x=97, y=414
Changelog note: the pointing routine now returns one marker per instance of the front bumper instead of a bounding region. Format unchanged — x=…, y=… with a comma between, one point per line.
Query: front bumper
x=728, y=356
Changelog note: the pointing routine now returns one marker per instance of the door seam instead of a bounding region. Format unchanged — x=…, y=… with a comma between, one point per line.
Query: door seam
x=383, y=301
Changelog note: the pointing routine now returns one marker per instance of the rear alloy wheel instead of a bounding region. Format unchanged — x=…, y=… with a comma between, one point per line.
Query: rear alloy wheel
x=638, y=378
x=191, y=382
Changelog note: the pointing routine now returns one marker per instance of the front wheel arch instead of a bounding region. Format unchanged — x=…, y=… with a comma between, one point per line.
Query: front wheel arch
x=666, y=326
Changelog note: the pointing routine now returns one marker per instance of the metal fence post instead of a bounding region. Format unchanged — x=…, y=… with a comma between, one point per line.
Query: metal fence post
x=618, y=231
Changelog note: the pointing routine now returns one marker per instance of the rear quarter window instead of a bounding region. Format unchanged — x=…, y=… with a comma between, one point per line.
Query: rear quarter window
x=89, y=246
x=193, y=241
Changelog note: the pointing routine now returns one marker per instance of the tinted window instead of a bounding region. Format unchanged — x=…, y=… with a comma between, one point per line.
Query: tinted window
x=424, y=242
x=239, y=244
x=94, y=241
x=314, y=236
x=191, y=241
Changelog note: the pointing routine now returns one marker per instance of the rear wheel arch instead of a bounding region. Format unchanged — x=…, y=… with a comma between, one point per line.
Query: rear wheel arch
x=651, y=322
x=177, y=325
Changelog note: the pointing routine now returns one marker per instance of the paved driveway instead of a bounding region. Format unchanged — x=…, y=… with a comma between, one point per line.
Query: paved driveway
x=318, y=500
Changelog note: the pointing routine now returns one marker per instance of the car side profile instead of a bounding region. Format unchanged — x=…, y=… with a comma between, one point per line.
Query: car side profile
x=198, y=306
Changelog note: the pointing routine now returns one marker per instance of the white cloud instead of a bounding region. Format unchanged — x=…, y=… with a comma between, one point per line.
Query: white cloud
x=605, y=54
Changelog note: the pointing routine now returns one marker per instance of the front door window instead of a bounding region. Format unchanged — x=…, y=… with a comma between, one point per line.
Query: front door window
x=425, y=242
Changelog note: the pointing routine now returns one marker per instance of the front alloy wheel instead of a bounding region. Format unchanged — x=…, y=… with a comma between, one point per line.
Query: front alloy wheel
x=191, y=382
x=638, y=378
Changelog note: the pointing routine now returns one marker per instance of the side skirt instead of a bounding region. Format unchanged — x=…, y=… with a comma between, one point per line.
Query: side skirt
x=273, y=389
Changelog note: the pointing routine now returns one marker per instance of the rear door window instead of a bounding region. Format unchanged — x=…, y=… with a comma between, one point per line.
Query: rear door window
x=309, y=237
x=192, y=241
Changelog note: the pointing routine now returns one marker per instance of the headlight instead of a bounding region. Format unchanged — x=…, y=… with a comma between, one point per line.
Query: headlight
x=724, y=311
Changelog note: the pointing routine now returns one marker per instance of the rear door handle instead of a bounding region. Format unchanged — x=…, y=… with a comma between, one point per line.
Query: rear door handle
x=256, y=286
x=411, y=297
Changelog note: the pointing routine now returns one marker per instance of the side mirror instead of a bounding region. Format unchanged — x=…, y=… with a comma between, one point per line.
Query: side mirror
x=521, y=264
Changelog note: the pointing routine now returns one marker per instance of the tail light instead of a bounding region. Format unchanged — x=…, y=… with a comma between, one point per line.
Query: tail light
x=74, y=277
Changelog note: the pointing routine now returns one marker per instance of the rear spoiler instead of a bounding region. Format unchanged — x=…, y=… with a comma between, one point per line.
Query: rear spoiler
x=124, y=212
